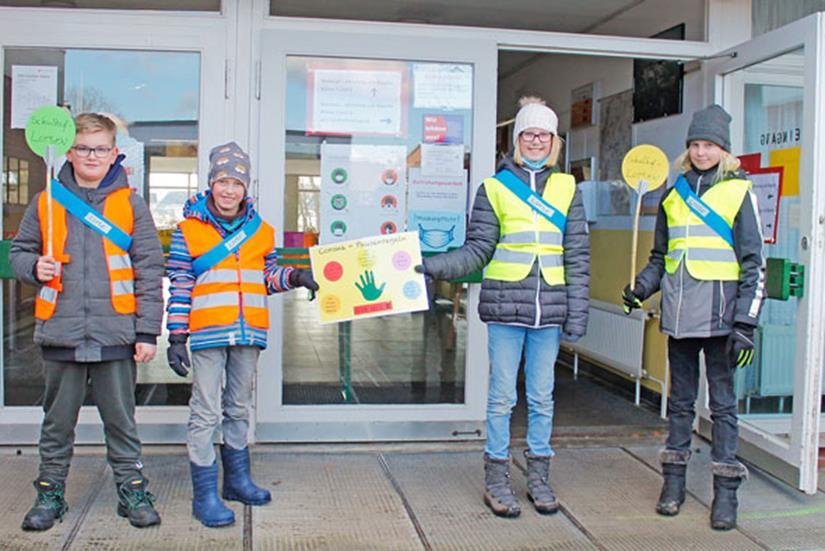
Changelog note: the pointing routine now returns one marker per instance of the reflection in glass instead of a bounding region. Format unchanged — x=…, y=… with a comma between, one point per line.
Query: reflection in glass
x=154, y=97
x=354, y=135
x=772, y=126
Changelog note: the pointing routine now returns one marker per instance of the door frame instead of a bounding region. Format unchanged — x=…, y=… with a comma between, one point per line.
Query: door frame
x=209, y=34
x=794, y=460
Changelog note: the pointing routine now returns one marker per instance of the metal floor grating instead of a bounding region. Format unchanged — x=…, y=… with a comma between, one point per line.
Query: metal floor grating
x=770, y=511
x=329, y=501
x=445, y=493
x=170, y=481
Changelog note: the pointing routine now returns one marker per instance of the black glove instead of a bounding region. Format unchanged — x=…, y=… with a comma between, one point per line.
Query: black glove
x=630, y=300
x=739, y=348
x=429, y=282
x=302, y=278
x=178, y=355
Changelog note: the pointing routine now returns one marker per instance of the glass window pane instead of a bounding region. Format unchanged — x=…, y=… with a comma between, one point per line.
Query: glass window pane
x=154, y=98
x=359, y=133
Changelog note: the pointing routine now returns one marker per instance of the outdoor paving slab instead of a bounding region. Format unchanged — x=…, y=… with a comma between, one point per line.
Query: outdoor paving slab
x=329, y=501
x=445, y=493
x=771, y=511
x=612, y=495
x=17, y=496
x=170, y=482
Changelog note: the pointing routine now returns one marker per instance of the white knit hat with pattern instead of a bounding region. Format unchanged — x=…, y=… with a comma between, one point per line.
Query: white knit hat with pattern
x=534, y=114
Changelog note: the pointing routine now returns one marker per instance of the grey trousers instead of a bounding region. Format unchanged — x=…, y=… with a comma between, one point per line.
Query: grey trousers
x=113, y=388
x=222, y=383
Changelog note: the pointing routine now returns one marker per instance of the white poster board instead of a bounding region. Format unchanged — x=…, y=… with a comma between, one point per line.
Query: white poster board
x=32, y=86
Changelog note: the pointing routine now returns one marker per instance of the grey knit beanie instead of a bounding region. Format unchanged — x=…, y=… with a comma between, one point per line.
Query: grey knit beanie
x=712, y=124
x=229, y=161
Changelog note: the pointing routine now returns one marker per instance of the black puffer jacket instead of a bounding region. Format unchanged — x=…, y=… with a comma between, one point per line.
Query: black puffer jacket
x=531, y=301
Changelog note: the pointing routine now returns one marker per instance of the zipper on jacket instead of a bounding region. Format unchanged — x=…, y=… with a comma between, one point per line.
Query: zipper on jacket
x=241, y=321
x=682, y=264
x=538, y=254
x=722, y=304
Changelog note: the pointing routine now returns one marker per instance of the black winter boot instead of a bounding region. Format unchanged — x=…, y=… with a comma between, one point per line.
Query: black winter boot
x=673, y=489
x=48, y=506
x=498, y=492
x=726, y=481
x=136, y=503
x=674, y=470
x=539, y=491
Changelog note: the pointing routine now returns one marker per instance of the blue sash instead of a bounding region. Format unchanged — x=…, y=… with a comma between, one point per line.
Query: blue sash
x=226, y=247
x=89, y=216
x=703, y=211
x=533, y=199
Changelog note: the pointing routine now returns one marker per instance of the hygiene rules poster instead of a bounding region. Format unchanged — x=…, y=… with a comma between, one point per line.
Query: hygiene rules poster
x=370, y=277
x=363, y=191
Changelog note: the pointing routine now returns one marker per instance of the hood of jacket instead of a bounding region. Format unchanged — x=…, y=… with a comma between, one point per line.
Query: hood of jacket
x=196, y=207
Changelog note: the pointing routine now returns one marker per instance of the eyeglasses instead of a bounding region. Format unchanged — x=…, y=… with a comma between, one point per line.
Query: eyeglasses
x=543, y=137
x=84, y=151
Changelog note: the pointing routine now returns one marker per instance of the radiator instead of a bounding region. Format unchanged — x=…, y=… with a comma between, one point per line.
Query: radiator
x=616, y=340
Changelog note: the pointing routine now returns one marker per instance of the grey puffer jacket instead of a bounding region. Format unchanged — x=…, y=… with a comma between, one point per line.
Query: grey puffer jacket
x=692, y=308
x=530, y=302
x=85, y=327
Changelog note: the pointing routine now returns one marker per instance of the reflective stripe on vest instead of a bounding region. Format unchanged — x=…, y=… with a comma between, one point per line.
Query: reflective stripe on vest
x=706, y=254
x=233, y=287
x=117, y=209
x=526, y=235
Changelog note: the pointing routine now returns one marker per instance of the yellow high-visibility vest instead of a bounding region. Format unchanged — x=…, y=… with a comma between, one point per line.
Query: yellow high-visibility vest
x=707, y=256
x=526, y=234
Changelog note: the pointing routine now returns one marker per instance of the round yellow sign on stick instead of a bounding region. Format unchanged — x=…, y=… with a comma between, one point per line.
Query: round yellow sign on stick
x=645, y=163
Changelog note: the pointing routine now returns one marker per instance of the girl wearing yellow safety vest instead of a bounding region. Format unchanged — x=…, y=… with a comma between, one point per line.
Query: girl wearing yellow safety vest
x=529, y=233
x=707, y=261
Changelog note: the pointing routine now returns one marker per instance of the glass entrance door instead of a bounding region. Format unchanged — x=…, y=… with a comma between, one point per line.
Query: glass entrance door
x=381, y=136
x=772, y=87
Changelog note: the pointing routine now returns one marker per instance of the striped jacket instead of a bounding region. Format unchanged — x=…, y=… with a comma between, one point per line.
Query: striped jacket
x=182, y=281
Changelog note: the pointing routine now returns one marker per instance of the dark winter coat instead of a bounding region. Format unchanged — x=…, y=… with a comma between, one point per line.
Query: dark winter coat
x=85, y=327
x=695, y=309
x=530, y=302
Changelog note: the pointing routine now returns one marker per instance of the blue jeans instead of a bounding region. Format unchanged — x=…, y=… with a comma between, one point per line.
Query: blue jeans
x=683, y=355
x=540, y=346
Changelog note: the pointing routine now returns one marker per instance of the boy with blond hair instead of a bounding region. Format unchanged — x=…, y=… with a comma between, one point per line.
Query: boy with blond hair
x=98, y=311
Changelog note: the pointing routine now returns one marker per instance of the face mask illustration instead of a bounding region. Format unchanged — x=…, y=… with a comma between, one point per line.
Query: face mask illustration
x=435, y=238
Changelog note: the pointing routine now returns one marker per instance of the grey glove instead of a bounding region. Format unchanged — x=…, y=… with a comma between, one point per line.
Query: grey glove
x=429, y=282
x=178, y=355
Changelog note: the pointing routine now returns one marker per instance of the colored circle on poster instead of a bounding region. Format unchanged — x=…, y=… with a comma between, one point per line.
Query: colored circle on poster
x=366, y=259
x=412, y=290
x=331, y=304
x=389, y=176
x=50, y=125
x=333, y=270
x=338, y=228
x=338, y=201
x=339, y=175
x=401, y=260
x=389, y=202
x=388, y=228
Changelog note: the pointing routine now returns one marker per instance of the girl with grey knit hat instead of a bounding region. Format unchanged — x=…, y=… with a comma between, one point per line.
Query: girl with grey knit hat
x=707, y=261
x=529, y=233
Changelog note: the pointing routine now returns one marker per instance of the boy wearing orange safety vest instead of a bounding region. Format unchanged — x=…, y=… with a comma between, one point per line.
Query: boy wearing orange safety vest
x=222, y=265
x=90, y=330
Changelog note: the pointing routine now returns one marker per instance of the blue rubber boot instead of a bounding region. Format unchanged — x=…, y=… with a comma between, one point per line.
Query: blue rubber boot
x=207, y=507
x=237, y=485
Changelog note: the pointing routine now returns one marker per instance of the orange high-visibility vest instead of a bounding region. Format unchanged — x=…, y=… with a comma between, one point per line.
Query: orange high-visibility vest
x=234, y=286
x=117, y=209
